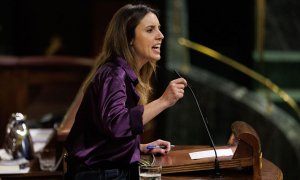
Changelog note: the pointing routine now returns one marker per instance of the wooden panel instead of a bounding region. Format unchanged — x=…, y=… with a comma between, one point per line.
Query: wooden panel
x=37, y=85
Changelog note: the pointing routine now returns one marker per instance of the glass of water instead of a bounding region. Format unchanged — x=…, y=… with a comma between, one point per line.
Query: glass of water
x=47, y=159
x=151, y=172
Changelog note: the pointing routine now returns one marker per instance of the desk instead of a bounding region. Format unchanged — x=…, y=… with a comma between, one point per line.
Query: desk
x=269, y=171
x=35, y=173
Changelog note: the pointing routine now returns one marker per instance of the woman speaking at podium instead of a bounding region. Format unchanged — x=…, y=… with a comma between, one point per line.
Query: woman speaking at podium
x=104, y=142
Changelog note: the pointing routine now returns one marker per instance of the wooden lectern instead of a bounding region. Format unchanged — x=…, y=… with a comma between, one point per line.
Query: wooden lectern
x=244, y=143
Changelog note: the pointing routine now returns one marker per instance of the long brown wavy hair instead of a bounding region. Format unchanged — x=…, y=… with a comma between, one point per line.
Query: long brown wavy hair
x=119, y=34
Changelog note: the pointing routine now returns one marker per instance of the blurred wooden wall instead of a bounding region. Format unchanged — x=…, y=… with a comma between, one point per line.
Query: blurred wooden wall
x=38, y=85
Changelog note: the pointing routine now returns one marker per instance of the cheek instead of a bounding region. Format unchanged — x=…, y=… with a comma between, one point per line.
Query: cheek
x=143, y=41
x=142, y=46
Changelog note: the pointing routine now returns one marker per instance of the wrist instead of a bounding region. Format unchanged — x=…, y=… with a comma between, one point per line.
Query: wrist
x=163, y=103
x=143, y=148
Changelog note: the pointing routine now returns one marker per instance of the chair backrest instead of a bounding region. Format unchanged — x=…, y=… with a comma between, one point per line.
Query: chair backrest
x=67, y=123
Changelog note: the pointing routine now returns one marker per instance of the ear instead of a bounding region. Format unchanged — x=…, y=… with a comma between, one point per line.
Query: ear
x=131, y=42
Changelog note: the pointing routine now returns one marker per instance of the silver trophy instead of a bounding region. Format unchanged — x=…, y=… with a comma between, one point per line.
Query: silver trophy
x=18, y=142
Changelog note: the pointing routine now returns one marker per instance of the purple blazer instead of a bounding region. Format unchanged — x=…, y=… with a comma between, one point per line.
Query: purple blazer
x=108, y=124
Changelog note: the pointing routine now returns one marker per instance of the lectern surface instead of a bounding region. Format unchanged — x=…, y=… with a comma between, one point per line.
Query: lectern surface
x=268, y=171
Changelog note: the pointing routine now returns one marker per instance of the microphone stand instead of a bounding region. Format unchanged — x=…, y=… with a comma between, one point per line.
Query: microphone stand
x=217, y=165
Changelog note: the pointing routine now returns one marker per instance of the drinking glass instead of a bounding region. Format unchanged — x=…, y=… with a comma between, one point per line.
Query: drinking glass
x=47, y=159
x=151, y=172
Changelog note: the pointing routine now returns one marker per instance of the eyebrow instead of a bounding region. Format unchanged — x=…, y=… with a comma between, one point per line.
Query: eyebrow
x=153, y=26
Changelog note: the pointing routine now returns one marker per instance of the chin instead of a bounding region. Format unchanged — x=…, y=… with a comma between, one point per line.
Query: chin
x=156, y=58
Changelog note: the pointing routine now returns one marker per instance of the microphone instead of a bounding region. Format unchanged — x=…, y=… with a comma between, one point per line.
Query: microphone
x=217, y=166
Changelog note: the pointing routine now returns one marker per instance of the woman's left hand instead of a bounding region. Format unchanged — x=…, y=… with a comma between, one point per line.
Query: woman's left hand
x=157, y=149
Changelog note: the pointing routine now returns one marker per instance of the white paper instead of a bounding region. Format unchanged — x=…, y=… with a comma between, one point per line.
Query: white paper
x=14, y=166
x=211, y=153
x=40, y=134
x=40, y=138
x=4, y=155
x=13, y=170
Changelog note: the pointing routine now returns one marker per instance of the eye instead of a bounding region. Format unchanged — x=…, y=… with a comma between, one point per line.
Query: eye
x=149, y=30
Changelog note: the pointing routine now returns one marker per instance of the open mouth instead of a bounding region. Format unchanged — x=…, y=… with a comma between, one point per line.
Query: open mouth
x=156, y=47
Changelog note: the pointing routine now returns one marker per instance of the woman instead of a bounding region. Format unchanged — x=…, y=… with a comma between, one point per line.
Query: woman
x=105, y=138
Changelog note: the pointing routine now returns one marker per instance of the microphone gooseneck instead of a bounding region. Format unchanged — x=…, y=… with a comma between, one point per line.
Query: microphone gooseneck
x=217, y=166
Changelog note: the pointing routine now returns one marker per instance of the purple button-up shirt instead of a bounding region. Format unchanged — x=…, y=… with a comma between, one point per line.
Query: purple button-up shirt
x=109, y=120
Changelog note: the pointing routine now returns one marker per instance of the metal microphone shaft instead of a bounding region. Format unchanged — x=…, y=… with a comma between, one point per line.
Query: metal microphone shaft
x=217, y=166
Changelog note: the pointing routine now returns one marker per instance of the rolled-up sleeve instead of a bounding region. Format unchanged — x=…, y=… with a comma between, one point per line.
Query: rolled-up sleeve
x=120, y=116
x=108, y=123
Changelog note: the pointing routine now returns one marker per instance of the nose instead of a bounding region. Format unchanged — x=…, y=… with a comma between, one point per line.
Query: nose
x=160, y=35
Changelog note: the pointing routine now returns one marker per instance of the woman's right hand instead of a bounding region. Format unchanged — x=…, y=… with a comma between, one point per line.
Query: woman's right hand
x=172, y=94
x=174, y=91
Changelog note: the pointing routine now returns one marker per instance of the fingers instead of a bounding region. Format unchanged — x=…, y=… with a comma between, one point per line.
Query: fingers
x=177, y=87
x=180, y=82
x=166, y=144
x=174, y=92
x=165, y=147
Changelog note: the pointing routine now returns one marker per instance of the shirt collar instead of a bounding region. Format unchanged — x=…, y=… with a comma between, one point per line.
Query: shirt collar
x=129, y=71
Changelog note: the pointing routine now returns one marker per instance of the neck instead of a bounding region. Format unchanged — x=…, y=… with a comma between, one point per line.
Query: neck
x=140, y=63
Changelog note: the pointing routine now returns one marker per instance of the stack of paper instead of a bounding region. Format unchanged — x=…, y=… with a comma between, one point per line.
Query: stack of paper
x=14, y=166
